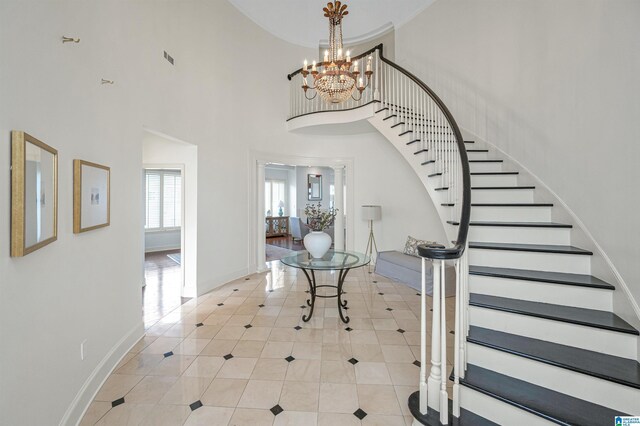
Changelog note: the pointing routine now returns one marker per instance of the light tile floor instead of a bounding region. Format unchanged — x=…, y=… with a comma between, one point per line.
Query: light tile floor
x=241, y=355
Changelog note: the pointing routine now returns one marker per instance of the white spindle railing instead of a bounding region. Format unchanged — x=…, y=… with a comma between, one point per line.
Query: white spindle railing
x=435, y=130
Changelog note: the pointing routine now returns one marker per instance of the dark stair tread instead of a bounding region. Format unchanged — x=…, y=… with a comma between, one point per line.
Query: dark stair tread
x=424, y=163
x=603, y=366
x=469, y=141
x=516, y=224
x=581, y=316
x=434, y=174
x=381, y=109
x=503, y=204
x=413, y=141
x=388, y=117
x=580, y=280
x=405, y=132
x=444, y=188
x=504, y=187
x=477, y=150
x=554, y=406
x=538, y=248
x=486, y=161
x=432, y=418
x=492, y=173
x=421, y=151
x=397, y=124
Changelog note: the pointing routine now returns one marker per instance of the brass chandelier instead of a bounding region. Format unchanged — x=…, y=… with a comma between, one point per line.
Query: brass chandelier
x=336, y=78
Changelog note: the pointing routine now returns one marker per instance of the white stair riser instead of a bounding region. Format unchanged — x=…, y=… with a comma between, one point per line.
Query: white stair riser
x=511, y=214
x=557, y=294
x=523, y=235
x=485, y=167
x=554, y=262
x=593, y=339
x=479, y=155
x=598, y=391
x=497, y=411
x=502, y=196
x=494, y=180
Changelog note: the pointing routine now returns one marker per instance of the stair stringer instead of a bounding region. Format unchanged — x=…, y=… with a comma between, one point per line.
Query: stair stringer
x=624, y=304
x=400, y=143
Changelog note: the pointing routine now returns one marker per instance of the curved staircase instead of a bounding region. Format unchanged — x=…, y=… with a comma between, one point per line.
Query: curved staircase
x=537, y=341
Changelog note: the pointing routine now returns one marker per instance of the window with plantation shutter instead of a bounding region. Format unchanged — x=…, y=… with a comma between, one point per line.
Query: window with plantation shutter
x=163, y=199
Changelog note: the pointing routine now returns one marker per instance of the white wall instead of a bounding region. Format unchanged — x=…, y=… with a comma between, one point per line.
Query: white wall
x=162, y=151
x=88, y=286
x=554, y=84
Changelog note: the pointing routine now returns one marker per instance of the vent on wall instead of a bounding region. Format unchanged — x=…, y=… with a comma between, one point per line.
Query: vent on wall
x=168, y=57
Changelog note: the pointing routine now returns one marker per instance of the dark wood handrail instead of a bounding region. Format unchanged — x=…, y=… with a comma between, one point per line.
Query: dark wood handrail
x=437, y=251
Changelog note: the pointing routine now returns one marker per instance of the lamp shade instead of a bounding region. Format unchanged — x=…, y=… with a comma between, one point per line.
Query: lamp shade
x=370, y=212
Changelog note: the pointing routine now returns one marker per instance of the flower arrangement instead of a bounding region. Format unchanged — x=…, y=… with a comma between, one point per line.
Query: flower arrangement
x=319, y=219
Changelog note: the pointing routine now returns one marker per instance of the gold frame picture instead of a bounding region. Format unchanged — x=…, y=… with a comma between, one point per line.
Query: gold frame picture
x=87, y=201
x=43, y=193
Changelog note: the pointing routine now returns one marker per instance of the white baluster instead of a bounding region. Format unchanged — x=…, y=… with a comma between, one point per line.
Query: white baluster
x=457, y=347
x=444, y=398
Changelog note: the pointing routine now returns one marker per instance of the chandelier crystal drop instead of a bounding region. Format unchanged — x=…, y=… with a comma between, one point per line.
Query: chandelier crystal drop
x=336, y=78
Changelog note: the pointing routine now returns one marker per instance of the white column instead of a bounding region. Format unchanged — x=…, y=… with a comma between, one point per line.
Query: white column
x=338, y=200
x=260, y=224
x=433, y=382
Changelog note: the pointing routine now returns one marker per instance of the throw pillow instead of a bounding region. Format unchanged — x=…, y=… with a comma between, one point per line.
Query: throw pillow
x=411, y=246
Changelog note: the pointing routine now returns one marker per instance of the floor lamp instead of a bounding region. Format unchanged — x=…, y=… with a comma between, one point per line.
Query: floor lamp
x=371, y=213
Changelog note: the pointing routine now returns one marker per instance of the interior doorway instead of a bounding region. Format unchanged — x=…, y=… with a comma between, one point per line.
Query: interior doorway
x=335, y=187
x=169, y=196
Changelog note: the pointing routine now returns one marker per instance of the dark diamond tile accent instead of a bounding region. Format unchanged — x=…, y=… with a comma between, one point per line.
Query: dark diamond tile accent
x=247, y=279
x=117, y=402
x=220, y=304
x=353, y=361
x=235, y=289
x=276, y=409
x=306, y=291
x=431, y=310
x=346, y=308
x=381, y=294
x=248, y=326
x=417, y=363
x=452, y=332
x=227, y=356
x=261, y=305
x=195, y=405
x=375, y=282
x=417, y=294
x=348, y=328
x=270, y=291
x=389, y=309
x=297, y=327
x=199, y=324
x=400, y=330
x=289, y=358
x=302, y=306
x=168, y=354
x=360, y=413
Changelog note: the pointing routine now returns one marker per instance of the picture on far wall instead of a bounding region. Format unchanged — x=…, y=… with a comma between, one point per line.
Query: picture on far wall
x=314, y=183
x=91, y=196
x=34, y=194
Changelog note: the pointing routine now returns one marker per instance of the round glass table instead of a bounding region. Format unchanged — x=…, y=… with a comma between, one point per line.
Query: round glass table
x=333, y=260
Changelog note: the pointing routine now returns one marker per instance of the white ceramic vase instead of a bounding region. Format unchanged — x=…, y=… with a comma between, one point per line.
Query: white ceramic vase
x=317, y=243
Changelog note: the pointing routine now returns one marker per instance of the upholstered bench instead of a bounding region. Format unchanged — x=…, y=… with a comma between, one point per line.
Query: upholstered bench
x=407, y=269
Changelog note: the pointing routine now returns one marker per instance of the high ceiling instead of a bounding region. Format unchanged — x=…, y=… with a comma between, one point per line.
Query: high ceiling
x=302, y=22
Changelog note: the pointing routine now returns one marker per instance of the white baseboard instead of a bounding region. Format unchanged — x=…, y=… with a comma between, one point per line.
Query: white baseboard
x=96, y=379
x=162, y=248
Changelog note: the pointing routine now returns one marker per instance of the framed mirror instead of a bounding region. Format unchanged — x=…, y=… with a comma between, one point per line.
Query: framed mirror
x=34, y=194
x=314, y=183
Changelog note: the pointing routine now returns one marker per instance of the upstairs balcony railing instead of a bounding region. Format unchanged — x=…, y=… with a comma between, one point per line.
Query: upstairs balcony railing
x=433, y=131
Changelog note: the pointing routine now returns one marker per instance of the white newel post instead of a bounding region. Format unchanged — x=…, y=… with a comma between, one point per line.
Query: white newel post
x=261, y=224
x=433, y=382
x=338, y=201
